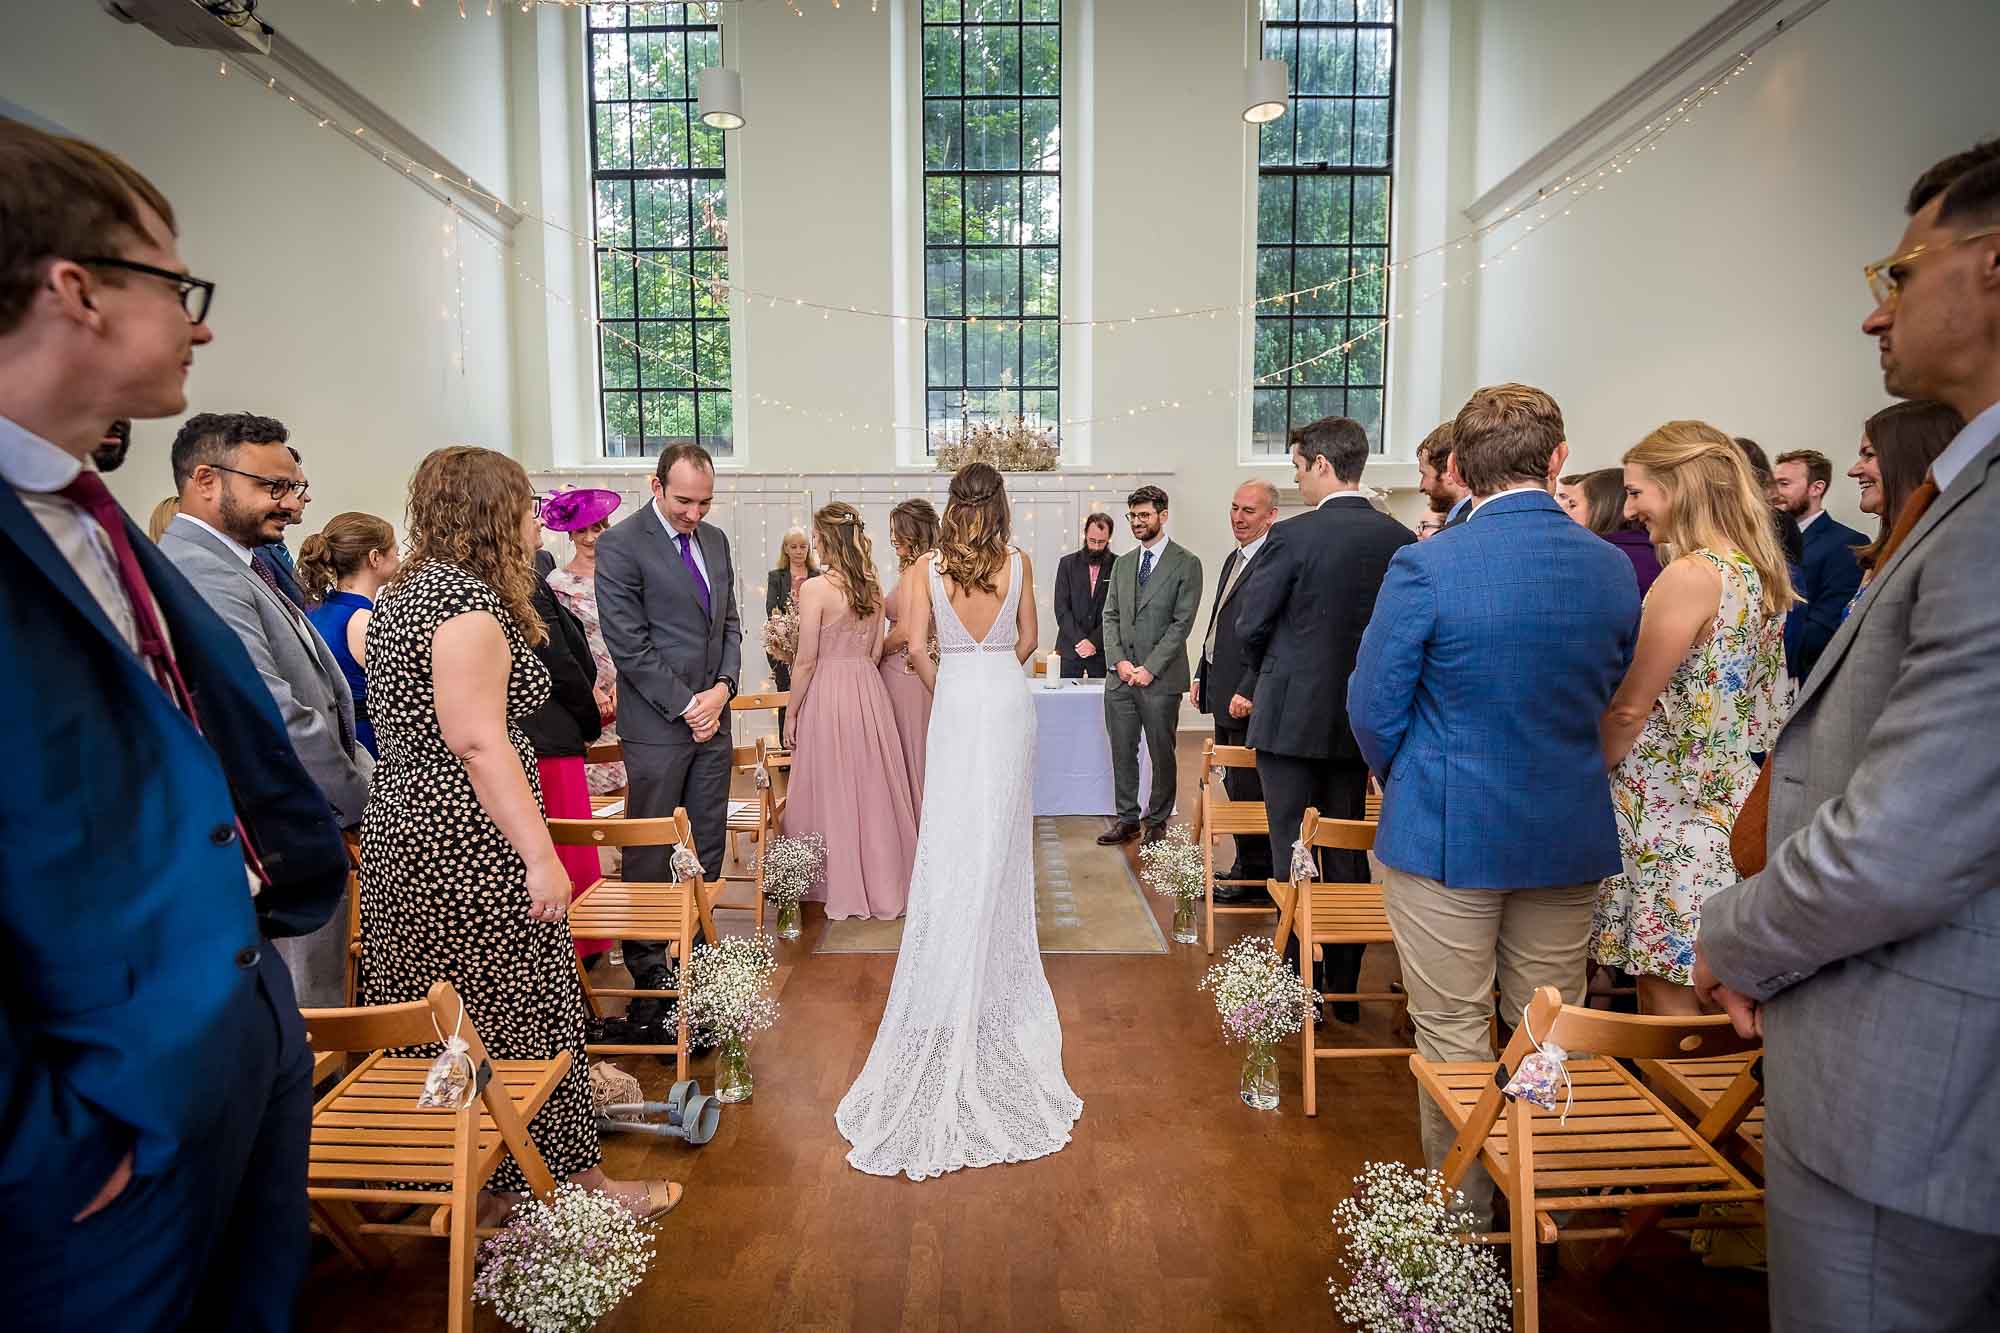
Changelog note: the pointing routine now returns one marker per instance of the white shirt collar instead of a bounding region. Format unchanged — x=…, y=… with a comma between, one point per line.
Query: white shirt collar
x=1250, y=548
x=243, y=552
x=672, y=532
x=1331, y=496
x=30, y=463
x=1478, y=500
x=1155, y=544
x=1811, y=519
x=1979, y=432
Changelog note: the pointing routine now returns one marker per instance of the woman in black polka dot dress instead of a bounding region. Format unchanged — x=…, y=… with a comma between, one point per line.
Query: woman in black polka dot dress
x=458, y=877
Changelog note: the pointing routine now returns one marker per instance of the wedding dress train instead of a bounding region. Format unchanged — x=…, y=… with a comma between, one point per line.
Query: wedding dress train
x=966, y=1069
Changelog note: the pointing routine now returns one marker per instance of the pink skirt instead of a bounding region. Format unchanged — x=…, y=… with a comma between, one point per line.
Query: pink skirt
x=849, y=786
x=566, y=795
x=910, y=701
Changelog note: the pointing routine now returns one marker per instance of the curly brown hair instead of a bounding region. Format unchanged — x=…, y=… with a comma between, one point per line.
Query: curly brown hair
x=914, y=523
x=972, y=538
x=844, y=542
x=466, y=505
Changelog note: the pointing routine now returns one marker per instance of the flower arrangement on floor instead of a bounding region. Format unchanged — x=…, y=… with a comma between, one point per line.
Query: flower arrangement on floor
x=781, y=633
x=562, y=1263
x=791, y=866
x=727, y=991
x=1172, y=867
x=1011, y=445
x=1261, y=1002
x=1409, y=1265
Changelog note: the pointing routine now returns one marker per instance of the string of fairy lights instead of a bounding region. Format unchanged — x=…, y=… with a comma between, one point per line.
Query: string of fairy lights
x=1547, y=205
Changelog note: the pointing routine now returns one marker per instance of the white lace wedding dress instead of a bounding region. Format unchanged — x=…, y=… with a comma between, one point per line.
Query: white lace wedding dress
x=966, y=1069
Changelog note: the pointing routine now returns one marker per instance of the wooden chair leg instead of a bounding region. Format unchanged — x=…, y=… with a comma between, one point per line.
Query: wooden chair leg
x=464, y=1239
x=1521, y=1219
x=589, y=995
x=341, y=1224
x=1208, y=888
x=681, y=1055
x=1310, y=1067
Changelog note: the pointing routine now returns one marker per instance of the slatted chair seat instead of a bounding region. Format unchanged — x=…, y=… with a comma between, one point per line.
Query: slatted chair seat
x=757, y=819
x=676, y=914
x=1316, y=915
x=1716, y=1088
x=1611, y=1144
x=1216, y=816
x=371, y=1143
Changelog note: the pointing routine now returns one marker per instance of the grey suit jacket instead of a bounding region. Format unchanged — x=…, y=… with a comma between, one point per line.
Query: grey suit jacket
x=1150, y=627
x=297, y=666
x=666, y=648
x=1873, y=934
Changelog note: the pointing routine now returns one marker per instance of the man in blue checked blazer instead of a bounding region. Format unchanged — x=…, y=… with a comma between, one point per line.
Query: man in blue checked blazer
x=1493, y=651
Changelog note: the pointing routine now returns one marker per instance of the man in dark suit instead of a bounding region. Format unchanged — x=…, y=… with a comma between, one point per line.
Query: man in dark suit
x=1083, y=580
x=1155, y=593
x=1310, y=594
x=1831, y=574
x=155, y=1084
x=666, y=603
x=1252, y=510
x=1439, y=479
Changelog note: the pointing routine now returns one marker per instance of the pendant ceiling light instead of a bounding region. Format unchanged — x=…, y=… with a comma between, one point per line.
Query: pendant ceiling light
x=721, y=98
x=1264, y=98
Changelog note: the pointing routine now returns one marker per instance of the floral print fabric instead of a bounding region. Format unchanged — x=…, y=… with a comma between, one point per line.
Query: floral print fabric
x=1678, y=792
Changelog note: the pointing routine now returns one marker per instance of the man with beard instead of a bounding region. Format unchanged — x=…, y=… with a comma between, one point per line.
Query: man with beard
x=1830, y=574
x=1082, y=580
x=1439, y=480
x=109, y=455
x=239, y=488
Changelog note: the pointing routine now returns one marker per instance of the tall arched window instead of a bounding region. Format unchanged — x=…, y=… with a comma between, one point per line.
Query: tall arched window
x=1323, y=219
x=657, y=176
x=992, y=153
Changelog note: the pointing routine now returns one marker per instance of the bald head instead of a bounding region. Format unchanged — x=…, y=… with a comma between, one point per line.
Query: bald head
x=1252, y=510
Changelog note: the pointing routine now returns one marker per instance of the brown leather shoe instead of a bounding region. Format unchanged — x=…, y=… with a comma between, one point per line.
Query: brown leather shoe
x=1121, y=832
x=1153, y=833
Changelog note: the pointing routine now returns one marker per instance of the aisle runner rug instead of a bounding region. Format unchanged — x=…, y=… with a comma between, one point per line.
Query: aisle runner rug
x=1086, y=900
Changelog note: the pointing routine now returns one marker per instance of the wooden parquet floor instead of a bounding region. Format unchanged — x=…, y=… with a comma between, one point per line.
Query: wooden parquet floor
x=1174, y=1207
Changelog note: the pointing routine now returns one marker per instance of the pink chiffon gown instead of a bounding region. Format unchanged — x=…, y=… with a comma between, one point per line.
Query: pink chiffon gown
x=849, y=783
x=910, y=701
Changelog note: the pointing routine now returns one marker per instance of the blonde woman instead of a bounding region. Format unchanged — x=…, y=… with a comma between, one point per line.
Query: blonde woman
x=966, y=1069
x=163, y=514
x=913, y=532
x=458, y=877
x=849, y=784
x=1706, y=690
x=795, y=565
x=341, y=569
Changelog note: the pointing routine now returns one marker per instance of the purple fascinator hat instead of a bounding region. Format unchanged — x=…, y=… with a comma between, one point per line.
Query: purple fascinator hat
x=575, y=510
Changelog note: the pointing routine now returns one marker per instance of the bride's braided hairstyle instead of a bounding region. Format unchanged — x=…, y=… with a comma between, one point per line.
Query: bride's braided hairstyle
x=845, y=549
x=972, y=542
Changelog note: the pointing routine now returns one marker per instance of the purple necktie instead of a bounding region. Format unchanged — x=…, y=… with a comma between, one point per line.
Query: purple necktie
x=89, y=493
x=694, y=572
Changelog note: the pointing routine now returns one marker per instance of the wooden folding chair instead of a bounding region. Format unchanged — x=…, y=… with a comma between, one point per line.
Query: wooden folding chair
x=675, y=913
x=1610, y=1145
x=372, y=1143
x=1318, y=914
x=1725, y=1094
x=1217, y=816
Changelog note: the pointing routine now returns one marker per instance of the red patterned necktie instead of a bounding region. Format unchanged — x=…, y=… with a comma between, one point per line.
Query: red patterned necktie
x=89, y=493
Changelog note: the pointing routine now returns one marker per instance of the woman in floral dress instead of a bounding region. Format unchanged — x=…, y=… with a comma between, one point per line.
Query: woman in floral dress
x=1706, y=690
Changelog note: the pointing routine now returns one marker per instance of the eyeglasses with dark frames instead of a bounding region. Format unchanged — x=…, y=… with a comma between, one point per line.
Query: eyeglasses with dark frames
x=276, y=487
x=195, y=293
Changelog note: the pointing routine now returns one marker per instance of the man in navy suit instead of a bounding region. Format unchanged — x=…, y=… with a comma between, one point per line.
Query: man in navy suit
x=1829, y=573
x=155, y=1085
x=1494, y=650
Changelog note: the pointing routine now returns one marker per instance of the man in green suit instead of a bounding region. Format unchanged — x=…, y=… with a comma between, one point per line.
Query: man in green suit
x=1155, y=594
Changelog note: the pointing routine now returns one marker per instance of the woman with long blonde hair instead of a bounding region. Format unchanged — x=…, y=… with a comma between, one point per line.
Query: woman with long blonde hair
x=459, y=879
x=849, y=783
x=913, y=532
x=1706, y=690
x=781, y=591
x=966, y=1069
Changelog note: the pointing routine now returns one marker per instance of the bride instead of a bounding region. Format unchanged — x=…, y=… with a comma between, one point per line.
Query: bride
x=966, y=1069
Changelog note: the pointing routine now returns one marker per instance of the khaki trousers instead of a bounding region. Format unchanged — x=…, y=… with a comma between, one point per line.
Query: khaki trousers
x=1454, y=944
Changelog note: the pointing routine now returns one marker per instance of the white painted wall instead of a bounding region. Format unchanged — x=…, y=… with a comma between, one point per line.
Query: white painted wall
x=328, y=264
x=1721, y=279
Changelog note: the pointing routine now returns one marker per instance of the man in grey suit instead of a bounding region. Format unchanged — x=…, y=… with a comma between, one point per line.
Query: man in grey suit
x=666, y=603
x=239, y=488
x=1148, y=614
x=1867, y=951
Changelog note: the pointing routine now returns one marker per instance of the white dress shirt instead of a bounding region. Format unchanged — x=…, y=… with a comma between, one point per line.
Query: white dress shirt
x=694, y=545
x=37, y=469
x=1810, y=519
x=1979, y=432
x=1478, y=501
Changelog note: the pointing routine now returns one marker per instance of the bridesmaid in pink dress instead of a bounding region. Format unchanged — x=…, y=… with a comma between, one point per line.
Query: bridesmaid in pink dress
x=849, y=784
x=913, y=531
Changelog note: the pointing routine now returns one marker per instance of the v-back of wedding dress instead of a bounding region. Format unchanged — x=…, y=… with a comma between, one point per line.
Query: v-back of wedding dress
x=966, y=1069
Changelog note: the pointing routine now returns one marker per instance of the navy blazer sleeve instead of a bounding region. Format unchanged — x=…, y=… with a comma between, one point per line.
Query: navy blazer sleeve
x=1832, y=577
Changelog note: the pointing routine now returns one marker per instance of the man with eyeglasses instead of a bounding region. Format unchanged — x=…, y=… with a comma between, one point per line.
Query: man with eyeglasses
x=155, y=1083
x=1866, y=952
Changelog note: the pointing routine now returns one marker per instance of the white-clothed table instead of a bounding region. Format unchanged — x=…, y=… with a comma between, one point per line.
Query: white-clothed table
x=1073, y=752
